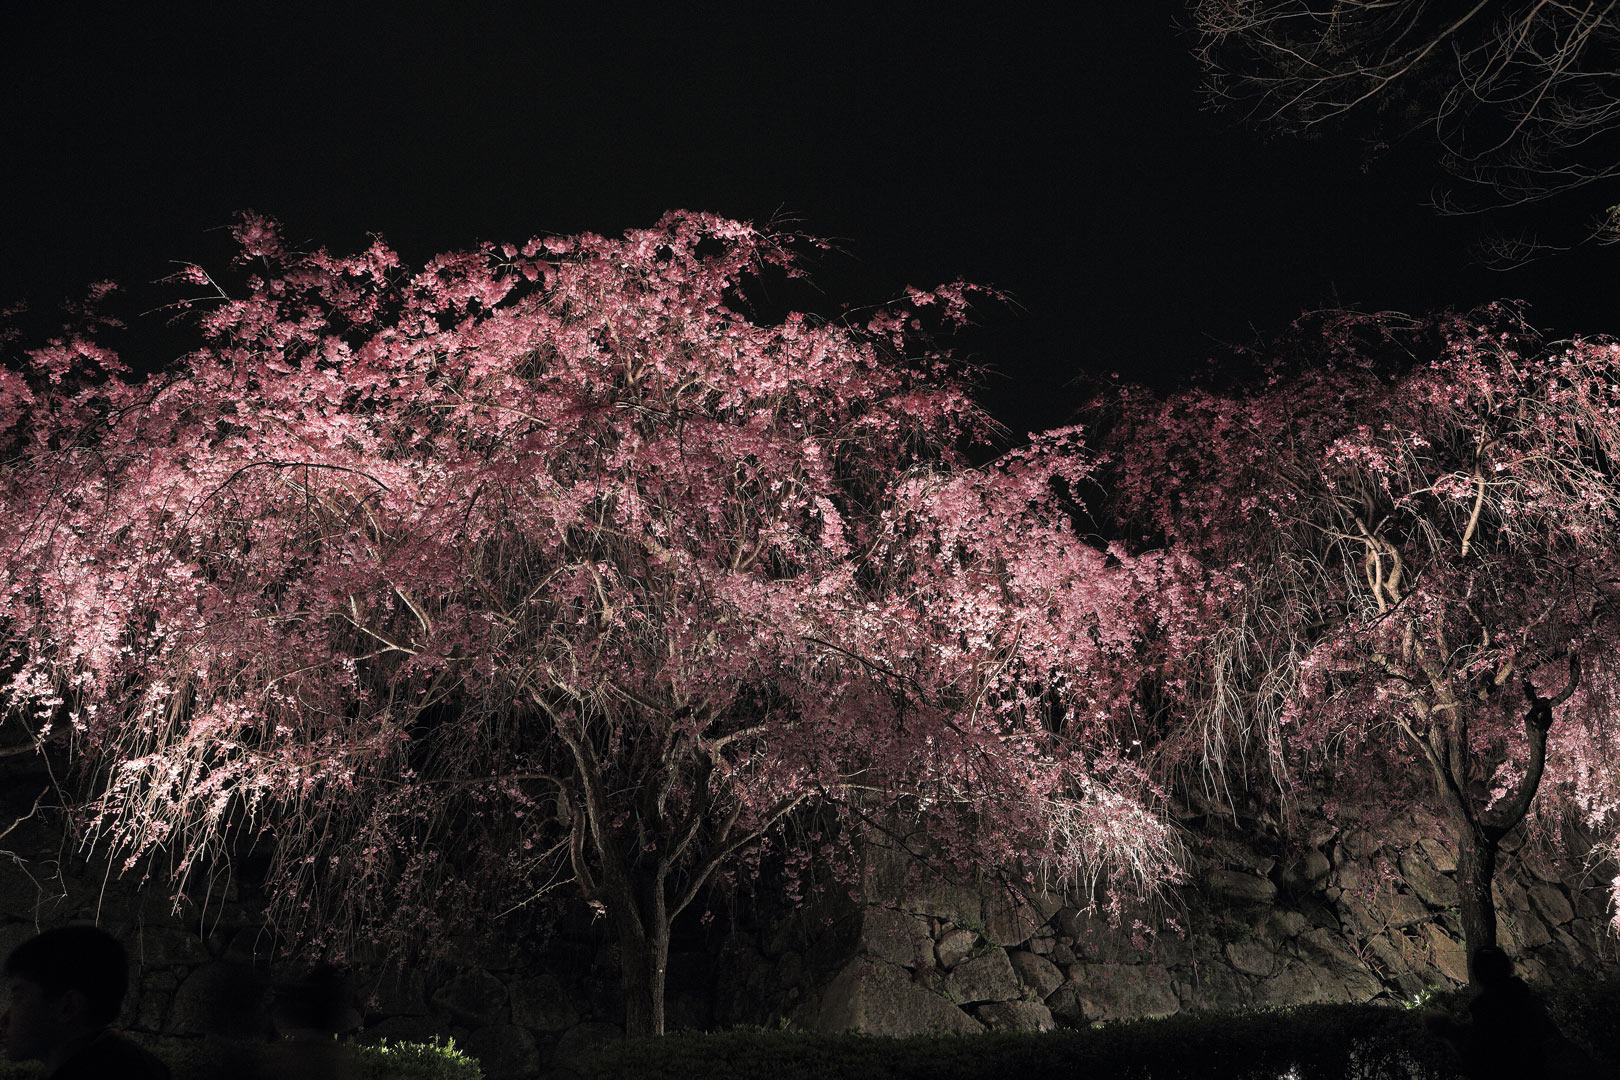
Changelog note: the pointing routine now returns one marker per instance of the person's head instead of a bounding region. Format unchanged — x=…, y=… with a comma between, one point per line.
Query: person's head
x=64, y=984
x=1492, y=966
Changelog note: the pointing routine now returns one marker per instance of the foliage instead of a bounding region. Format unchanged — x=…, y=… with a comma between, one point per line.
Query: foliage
x=1415, y=525
x=1447, y=998
x=417, y=1061
x=548, y=566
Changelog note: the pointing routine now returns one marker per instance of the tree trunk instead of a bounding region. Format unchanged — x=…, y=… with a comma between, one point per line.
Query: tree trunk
x=643, y=959
x=1476, y=869
x=1479, y=834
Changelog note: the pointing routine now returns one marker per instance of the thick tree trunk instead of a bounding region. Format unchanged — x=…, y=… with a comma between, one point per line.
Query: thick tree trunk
x=1476, y=869
x=642, y=966
x=641, y=932
x=1480, y=833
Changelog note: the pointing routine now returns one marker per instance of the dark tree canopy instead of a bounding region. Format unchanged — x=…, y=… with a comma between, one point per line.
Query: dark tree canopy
x=1518, y=97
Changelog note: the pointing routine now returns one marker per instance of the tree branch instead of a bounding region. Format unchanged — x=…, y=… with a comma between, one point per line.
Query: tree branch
x=1538, y=721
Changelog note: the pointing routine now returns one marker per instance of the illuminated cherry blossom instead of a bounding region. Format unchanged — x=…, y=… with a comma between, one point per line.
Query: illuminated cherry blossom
x=1412, y=532
x=547, y=570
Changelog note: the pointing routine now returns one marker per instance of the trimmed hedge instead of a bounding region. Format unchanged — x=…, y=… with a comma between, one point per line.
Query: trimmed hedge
x=198, y=1059
x=1306, y=1042
x=1309, y=1042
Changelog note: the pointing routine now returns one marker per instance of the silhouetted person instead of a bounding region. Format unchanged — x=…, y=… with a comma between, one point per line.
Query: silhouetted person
x=1509, y=1034
x=66, y=987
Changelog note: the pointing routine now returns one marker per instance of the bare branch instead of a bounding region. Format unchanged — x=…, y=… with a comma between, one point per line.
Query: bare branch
x=1519, y=97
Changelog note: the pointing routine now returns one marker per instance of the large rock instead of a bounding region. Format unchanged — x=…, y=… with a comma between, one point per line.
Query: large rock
x=487, y=951
x=1372, y=914
x=986, y=977
x=1516, y=933
x=1307, y=871
x=504, y=1052
x=1358, y=986
x=960, y=904
x=1251, y=956
x=1280, y=924
x=1441, y=852
x=1447, y=953
x=1015, y=1016
x=1237, y=887
x=1120, y=991
x=1597, y=935
x=1093, y=941
x=1403, y=910
x=1318, y=834
x=250, y=944
x=1038, y=973
x=954, y=946
x=1216, y=988
x=875, y=998
x=1593, y=903
x=1329, y=953
x=1551, y=904
x=1396, y=953
x=151, y=1011
x=1572, y=953
x=1359, y=844
x=1010, y=920
x=1537, y=862
x=540, y=1004
x=1431, y=886
x=1295, y=984
x=1509, y=894
x=475, y=998
x=896, y=937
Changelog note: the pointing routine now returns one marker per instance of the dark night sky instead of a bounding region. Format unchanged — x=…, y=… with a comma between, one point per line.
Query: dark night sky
x=1068, y=164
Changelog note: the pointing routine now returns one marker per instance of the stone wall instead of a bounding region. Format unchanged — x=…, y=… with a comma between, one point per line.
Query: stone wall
x=1342, y=916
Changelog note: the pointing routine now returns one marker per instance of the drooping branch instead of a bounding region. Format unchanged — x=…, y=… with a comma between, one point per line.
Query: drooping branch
x=321, y=585
x=1428, y=509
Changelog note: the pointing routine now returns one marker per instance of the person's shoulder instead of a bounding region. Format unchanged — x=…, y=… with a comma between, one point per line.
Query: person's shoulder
x=113, y=1057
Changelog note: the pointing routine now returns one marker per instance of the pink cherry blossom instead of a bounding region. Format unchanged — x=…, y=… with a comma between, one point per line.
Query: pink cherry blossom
x=1412, y=527
x=546, y=570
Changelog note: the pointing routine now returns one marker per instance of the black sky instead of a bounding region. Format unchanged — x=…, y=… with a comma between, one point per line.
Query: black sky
x=1067, y=163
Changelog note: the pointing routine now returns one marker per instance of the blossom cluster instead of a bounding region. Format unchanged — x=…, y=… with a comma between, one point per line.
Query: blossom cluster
x=547, y=562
